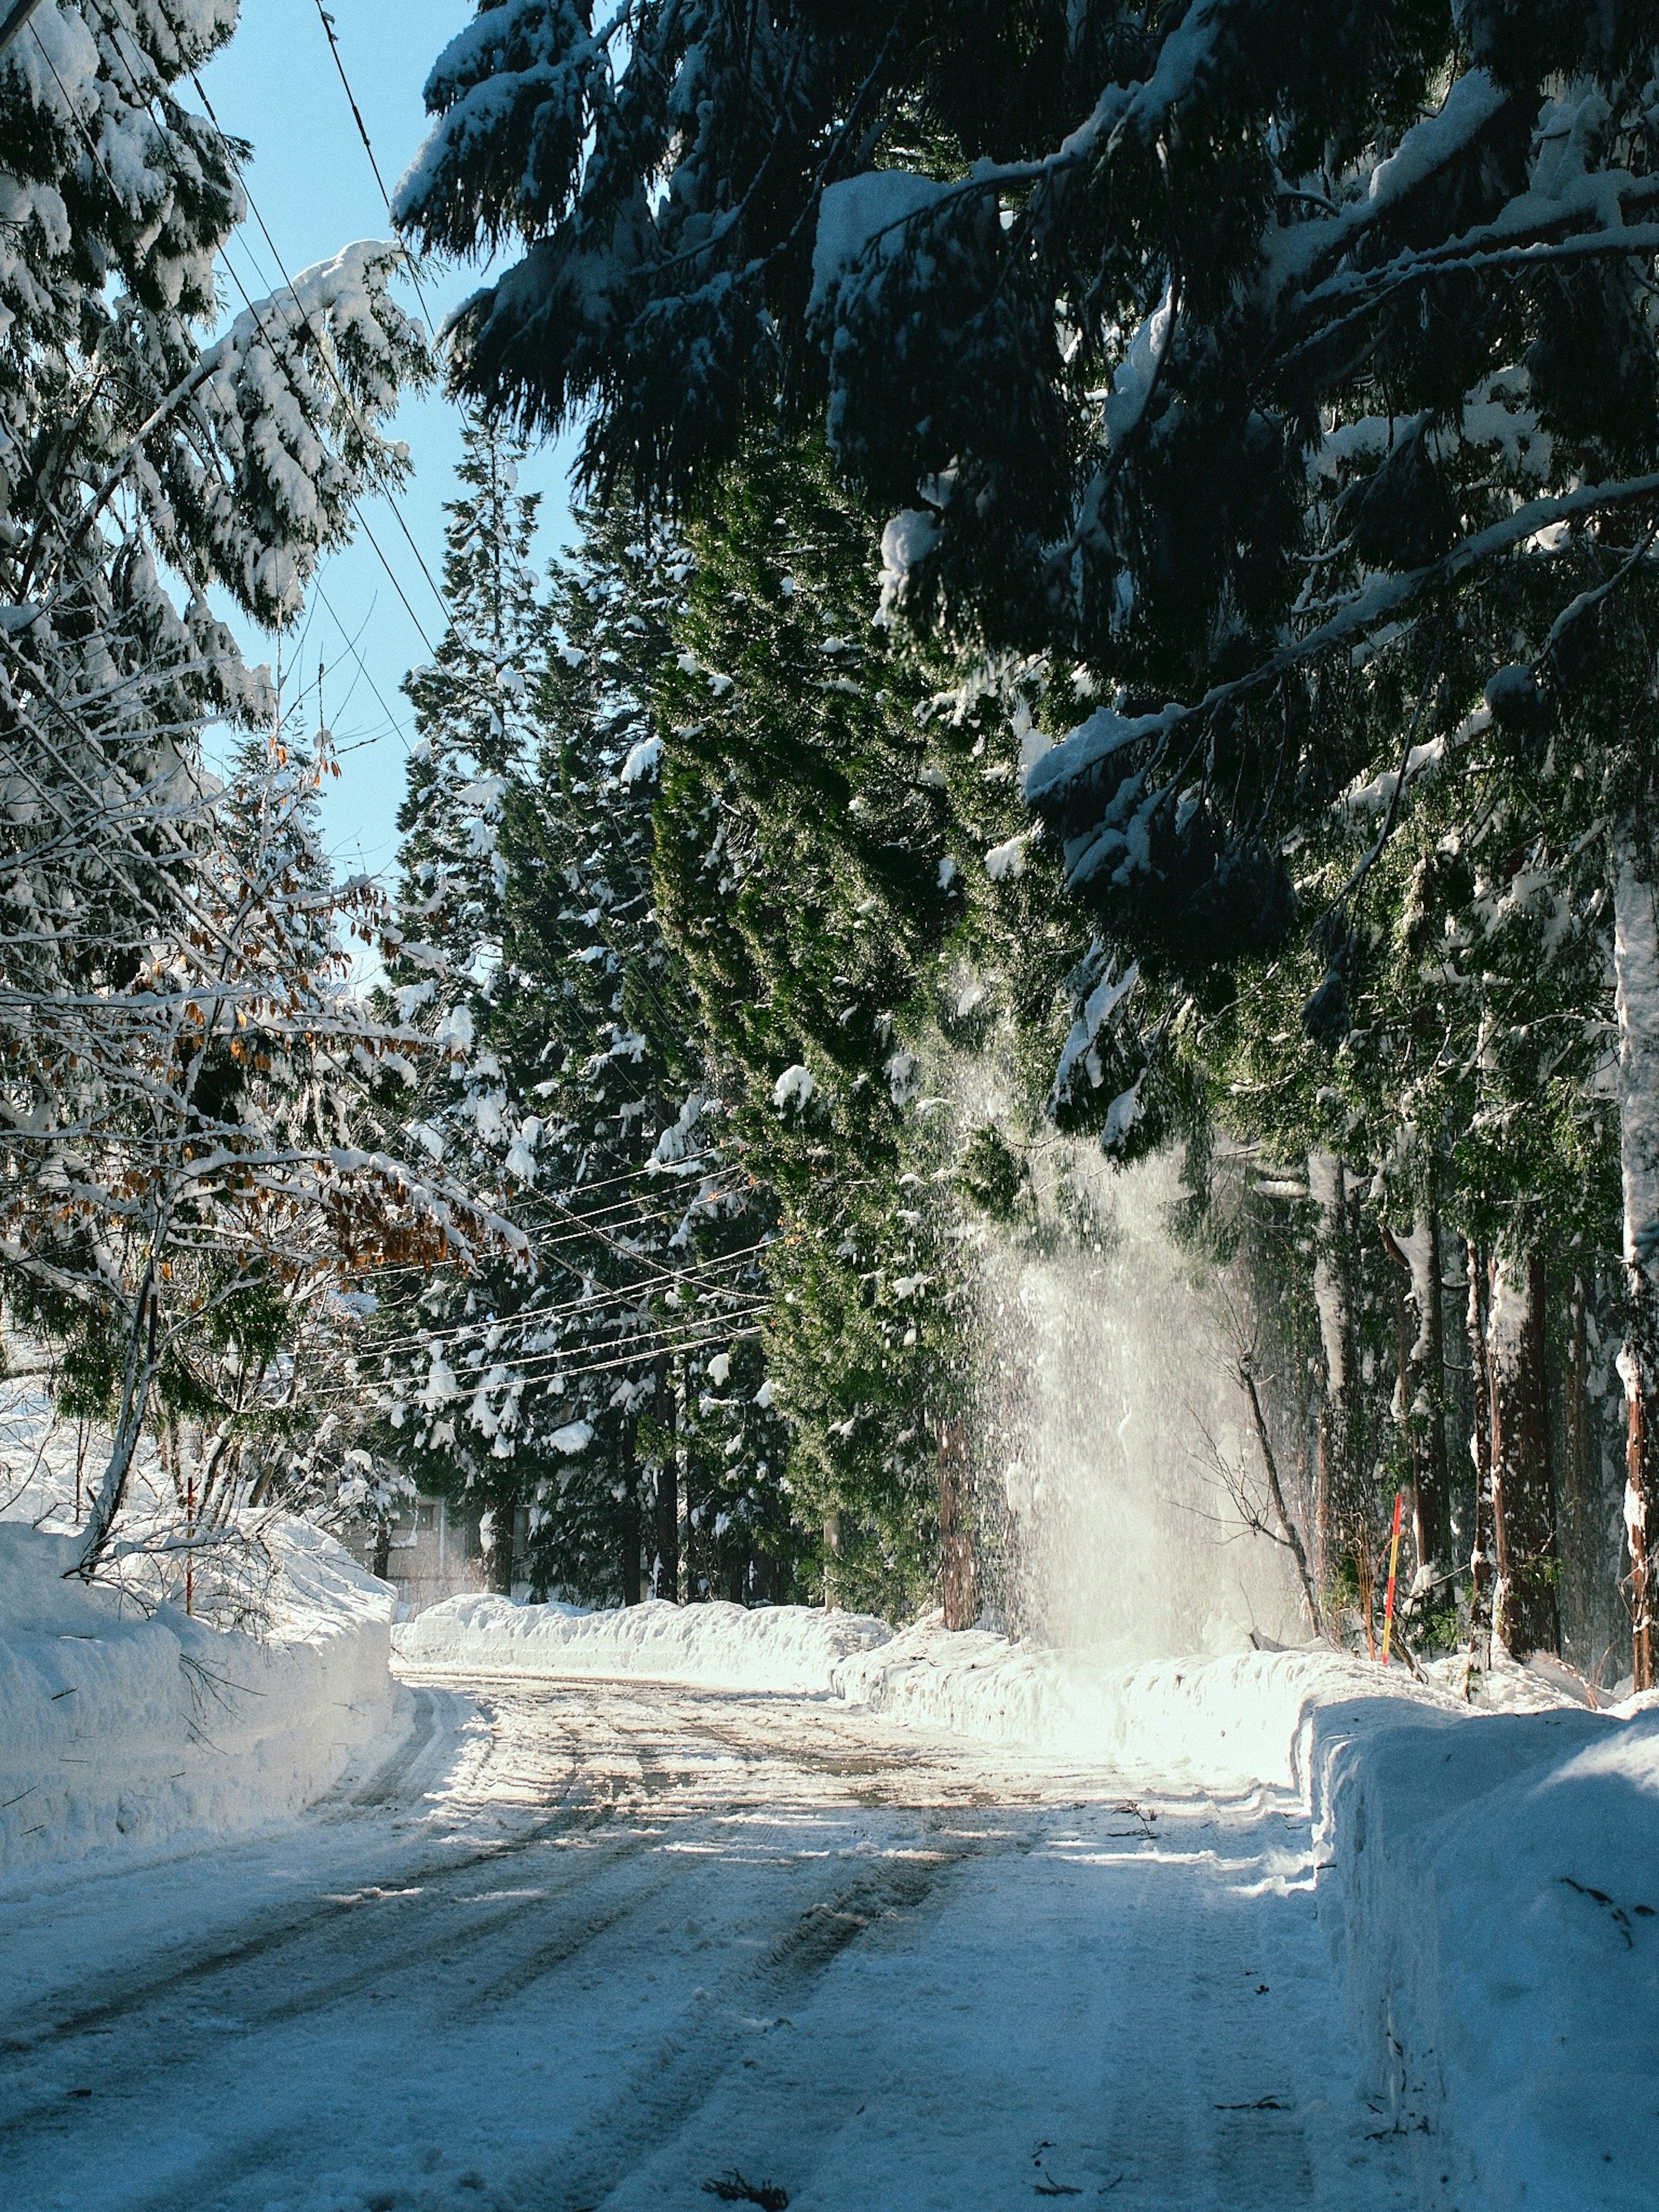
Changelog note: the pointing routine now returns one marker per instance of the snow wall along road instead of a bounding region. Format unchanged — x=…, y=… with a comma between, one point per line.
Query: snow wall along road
x=120, y=1728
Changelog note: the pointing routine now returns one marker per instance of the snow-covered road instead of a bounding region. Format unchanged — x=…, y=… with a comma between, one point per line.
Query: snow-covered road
x=597, y=1943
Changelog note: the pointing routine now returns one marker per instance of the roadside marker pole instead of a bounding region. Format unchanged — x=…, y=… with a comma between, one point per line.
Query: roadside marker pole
x=1393, y=1562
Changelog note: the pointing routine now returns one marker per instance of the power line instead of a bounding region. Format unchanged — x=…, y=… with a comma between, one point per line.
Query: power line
x=329, y=32
x=576, y=1372
x=264, y=231
x=356, y=112
x=351, y=646
x=276, y=354
x=531, y=1319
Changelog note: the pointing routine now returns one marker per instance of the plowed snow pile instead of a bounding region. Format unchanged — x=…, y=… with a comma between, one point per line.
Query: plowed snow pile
x=1229, y=1723
x=793, y=1648
x=1491, y=1887
x=120, y=1728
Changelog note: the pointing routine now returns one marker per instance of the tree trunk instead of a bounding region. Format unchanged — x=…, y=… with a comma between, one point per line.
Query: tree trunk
x=1337, y=1500
x=1427, y=1386
x=666, y=1582
x=1324, y=1549
x=1420, y=1391
x=1481, y=1560
x=1576, y=1534
x=138, y=1376
x=1635, y=973
x=958, y=1574
x=831, y=1560
x=695, y=1561
x=503, y=1525
x=1524, y=1611
x=382, y=1559
x=632, y=1575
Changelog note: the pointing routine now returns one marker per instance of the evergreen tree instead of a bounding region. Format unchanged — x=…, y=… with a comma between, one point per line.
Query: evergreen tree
x=1288, y=390
x=456, y=1424
x=659, y=1225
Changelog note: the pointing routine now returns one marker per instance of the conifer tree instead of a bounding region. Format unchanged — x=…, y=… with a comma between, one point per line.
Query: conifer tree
x=1294, y=386
x=649, y=1333
x=474, y=707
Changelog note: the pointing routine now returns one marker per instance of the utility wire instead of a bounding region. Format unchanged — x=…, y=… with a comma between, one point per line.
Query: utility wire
x=356, y=112
x=573, y=1372
x=330, y=33
x=276, y=354
x=532, y=1320
x=264, y=230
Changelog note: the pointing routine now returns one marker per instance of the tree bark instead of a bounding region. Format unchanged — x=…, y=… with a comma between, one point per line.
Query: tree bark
x=1525, y=1614
x=1337, y=1500
x=1427, y=1383
x=1419, y=1407
x=1576, y=1533
x=1481, y=1560
x=382, y=1558
x=1635, y=978
x=695, y=1561
x=503, y=1525
x=138, y=1376
x=1324, y=1550
x=666, y=1581
x=631, y=1571
x=831, y=1558
x=958, y=1573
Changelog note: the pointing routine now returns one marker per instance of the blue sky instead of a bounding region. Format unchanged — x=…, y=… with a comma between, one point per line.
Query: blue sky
x=275, y=85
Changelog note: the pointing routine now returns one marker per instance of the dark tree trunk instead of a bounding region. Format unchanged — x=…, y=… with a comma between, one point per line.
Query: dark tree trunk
x=1525, y=1614
x=958, y=1573
x=1433, y=1527
x=696, y=1562
x=1577, y=1530
x=1636, y=977
x=1636, y=1451
x=503, y=1527
x=382, y=1559
x=1338, y=1519
x=632, y=1573
x=1480, y=1559
x=666, y=1583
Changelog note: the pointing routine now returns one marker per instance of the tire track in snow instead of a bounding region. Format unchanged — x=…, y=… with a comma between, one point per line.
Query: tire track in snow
x=737, y=1920
x=674, y=2078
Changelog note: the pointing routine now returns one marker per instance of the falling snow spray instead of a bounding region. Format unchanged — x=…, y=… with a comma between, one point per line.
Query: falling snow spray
x=1111, y=1385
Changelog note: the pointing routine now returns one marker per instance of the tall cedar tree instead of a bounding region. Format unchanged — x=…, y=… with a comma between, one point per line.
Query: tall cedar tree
x=1219, y=353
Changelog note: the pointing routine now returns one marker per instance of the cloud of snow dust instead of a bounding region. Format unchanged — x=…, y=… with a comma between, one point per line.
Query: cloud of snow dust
x=1107, y=1361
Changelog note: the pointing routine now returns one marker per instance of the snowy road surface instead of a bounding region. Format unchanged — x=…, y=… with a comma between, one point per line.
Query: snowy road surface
x=595, y=1943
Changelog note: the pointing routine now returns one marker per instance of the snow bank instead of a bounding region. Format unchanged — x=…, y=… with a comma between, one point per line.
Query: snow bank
x=794, y=1648
x=122, y=1728
x=1490, y=1883
x=1228, y=1724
